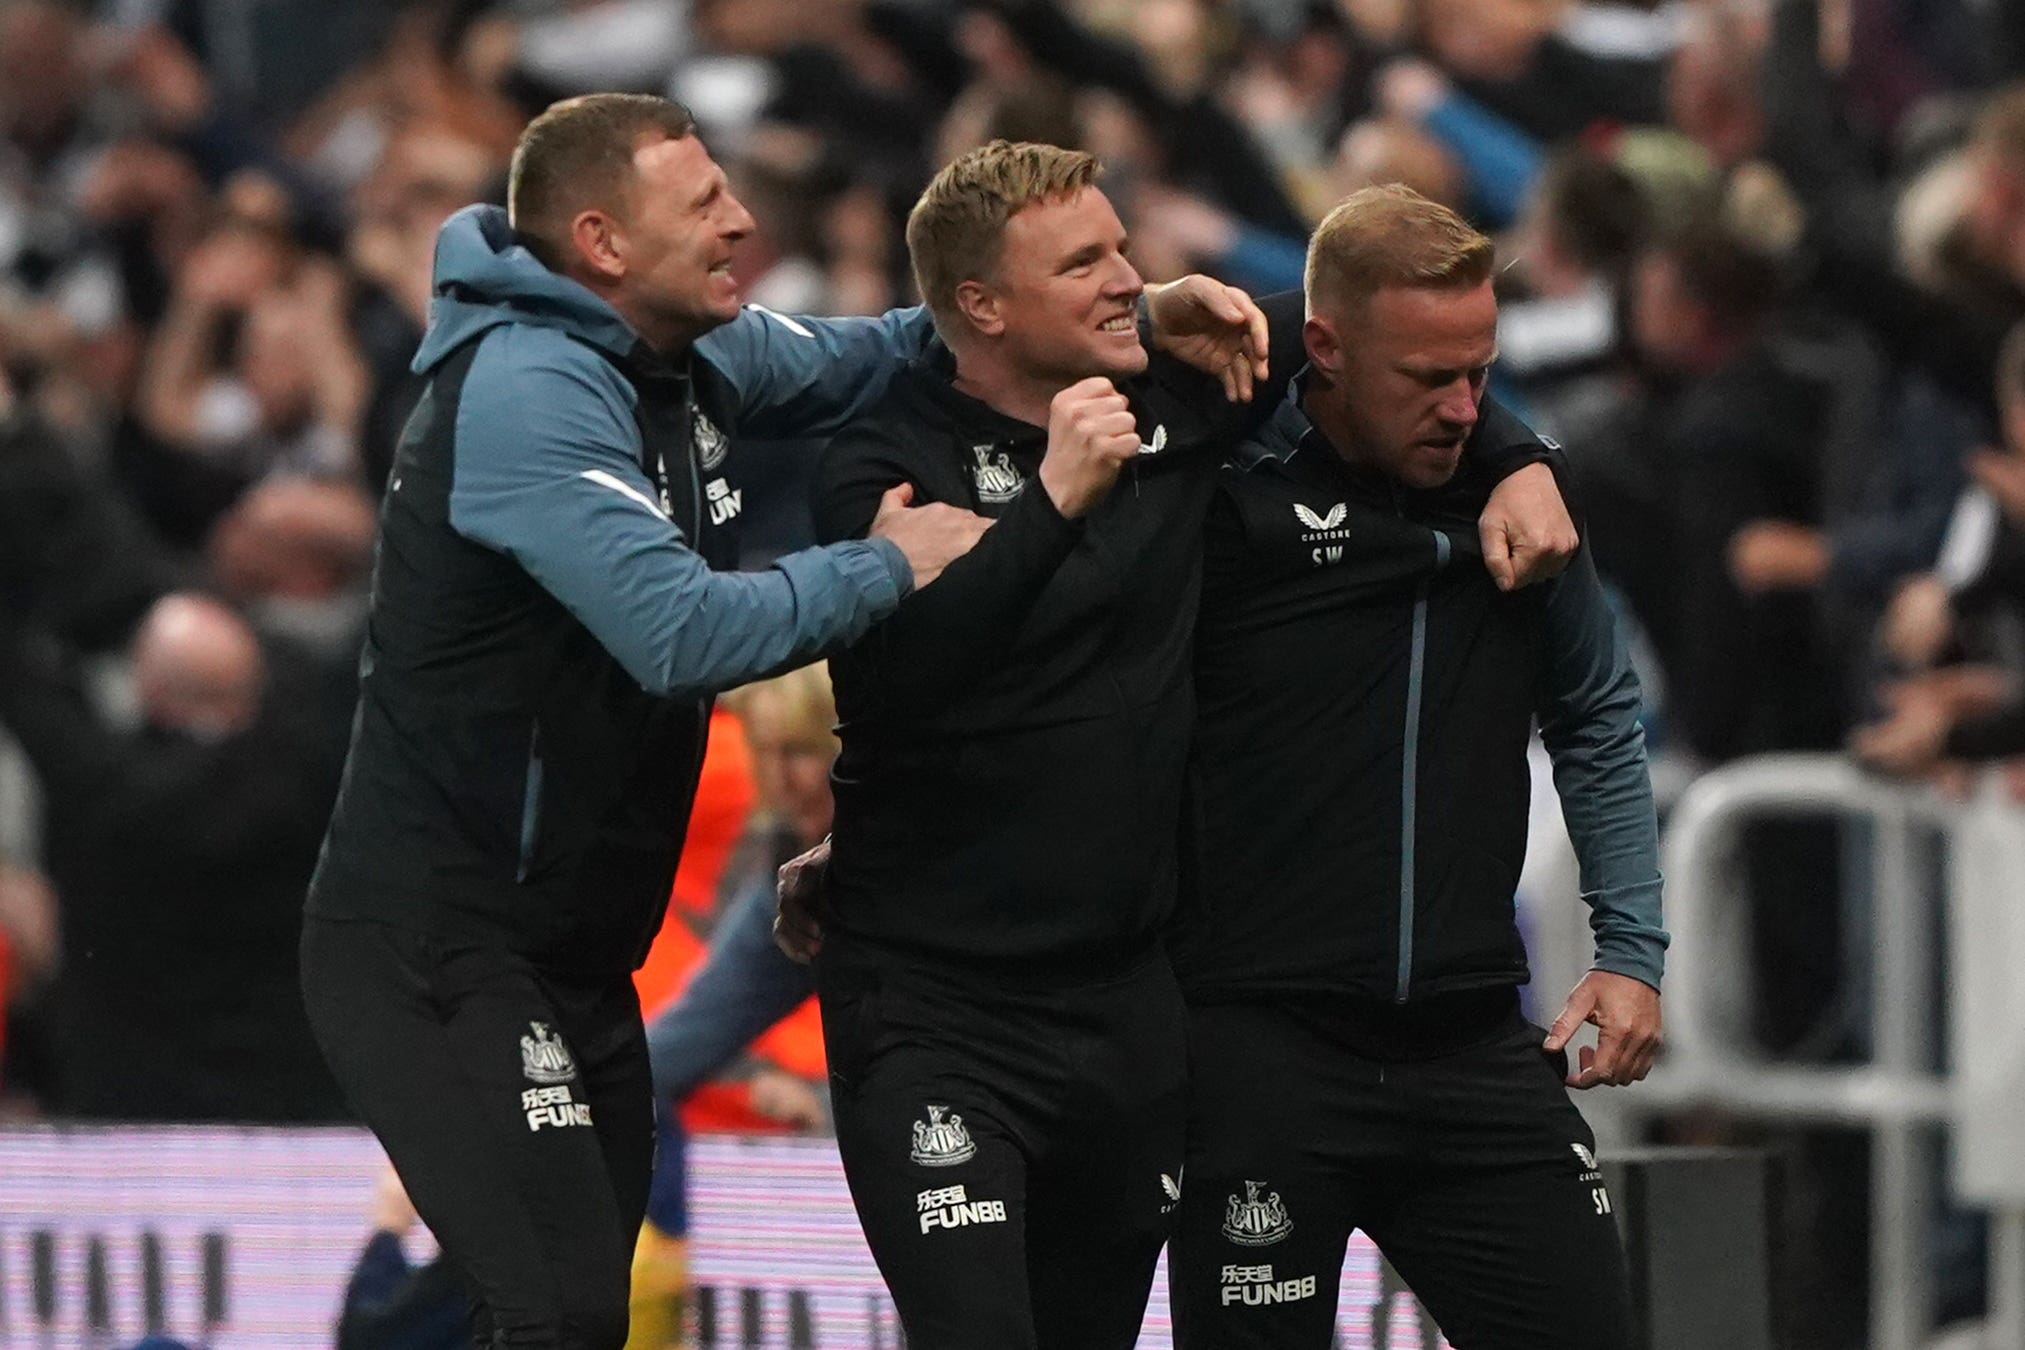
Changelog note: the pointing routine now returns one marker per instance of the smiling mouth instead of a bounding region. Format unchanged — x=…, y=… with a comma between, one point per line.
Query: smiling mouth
x=1123, y=323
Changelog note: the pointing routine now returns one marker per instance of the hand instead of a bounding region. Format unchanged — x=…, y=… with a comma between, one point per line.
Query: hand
x=392, y=1211
x=1526, y=530
x=931, y=536
x=1918, y=621
x=779, y=1095
x=1626, y=1014
x=1411, y=88
x=1912, y=739
x=2003, y=477
x=1092, y=436
x=801, y=901
x=1777, y=555
x=1213, y=327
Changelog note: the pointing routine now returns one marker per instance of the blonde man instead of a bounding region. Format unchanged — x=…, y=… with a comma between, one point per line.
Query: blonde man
x=1005, y=1033
x=1351, y=967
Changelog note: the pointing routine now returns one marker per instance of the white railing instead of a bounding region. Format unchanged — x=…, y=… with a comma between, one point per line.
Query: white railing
x=1712, y=1061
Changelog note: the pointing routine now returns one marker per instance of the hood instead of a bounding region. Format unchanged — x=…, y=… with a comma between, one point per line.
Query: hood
x=1280, y=435
x=484, y=278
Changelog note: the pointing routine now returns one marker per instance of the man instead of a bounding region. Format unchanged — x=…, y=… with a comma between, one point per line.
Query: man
x=547, y=629
x=1005, y=1035
x=1349, y=958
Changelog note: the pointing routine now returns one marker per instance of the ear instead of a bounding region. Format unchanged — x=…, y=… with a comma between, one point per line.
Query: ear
x=980, y=305
x=599, y=244
x=1324, y=344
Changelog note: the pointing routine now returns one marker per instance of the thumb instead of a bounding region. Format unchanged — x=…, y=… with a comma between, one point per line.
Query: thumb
x=896, y=498
x=1580, y=1004
x=1498, y=557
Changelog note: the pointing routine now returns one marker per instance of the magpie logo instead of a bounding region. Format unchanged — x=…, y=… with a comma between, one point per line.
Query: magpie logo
x=998, y=479
x=1252, y=1222
x=1335, y=516
x=712, y=445
x=543, y=1056
x=941, y=1143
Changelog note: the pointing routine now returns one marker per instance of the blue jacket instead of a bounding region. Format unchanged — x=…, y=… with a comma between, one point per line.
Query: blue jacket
x=552, y=611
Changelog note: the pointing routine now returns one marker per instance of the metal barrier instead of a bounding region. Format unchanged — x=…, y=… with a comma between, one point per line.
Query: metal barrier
x=1712, y=1061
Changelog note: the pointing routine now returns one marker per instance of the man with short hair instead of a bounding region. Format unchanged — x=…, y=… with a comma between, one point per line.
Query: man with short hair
x=1004, y=1031
x=548, y=626
x=1360, y=780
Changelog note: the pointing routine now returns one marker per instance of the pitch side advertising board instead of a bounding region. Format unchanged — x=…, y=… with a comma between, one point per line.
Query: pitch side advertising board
x=242, y=1239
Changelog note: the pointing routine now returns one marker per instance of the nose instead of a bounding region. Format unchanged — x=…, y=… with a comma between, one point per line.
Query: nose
x=1124, y=282
x=1458, y=407
x=738, y=221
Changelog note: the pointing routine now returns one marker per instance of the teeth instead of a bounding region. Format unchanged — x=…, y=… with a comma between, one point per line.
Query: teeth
x=1118, y=325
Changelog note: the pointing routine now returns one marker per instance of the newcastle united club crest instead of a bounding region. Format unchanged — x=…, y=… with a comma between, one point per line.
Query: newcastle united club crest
x=1252, y=1222
x=997, y=478
x=939, y=1142
x=543, y=1056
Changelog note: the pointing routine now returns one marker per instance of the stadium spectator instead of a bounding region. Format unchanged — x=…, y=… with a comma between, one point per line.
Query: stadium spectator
x=178, y=851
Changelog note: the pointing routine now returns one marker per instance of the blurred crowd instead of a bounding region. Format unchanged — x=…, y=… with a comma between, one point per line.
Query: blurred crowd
x=1762, y=262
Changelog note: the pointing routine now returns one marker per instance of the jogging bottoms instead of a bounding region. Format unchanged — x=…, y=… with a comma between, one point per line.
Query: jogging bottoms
x=515, y=1104
x=1472, y=1171
x=1014, y=1154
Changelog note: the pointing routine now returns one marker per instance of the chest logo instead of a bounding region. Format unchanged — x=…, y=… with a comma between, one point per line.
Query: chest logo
x=1157, y=444
x=1323, y=532
x=998, y=479
x=725, y=501
x=543, y=1056
x=712, y=445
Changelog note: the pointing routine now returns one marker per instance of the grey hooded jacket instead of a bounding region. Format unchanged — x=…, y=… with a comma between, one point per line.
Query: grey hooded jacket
x=551, y=610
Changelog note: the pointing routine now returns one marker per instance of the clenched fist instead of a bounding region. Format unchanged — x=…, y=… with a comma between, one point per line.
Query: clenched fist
x=1092, y=435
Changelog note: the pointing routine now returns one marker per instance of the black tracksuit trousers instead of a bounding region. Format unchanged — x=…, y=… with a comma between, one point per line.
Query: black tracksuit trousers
x=1470, y=1168
x=516, y=1105
x=1014, y=1154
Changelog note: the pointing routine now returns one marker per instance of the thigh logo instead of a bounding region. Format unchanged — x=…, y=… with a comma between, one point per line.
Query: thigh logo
x=553, y=1106
x=951, y=1207
x=1252, y=1222
x=543, y=1056
x=1254, y=1286
x=941, y=1143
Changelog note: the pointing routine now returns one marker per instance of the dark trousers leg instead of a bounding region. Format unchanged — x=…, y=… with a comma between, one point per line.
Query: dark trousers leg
x=529, y=1163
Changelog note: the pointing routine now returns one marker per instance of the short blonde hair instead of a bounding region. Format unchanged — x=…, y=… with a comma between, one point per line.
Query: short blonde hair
x=1392, y=236
x=799, y=706
x=956, y=230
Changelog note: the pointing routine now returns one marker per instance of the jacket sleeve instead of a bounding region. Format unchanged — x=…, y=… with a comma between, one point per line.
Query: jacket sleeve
x=1588, y=707
x=547, y=470
x=957, y=628
x=800, y=377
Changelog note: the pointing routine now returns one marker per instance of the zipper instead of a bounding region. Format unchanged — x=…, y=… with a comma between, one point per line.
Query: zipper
x=1409, y=774
x=530, y=806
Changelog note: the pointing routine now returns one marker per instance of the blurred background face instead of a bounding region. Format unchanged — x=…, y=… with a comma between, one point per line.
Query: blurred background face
x=1666, y=322
x=197, y=668
x=1067, y=293
x=1407, y=371
x=787, y=728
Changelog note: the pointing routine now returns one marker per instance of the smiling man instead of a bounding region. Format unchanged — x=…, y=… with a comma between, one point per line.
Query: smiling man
x=1005, y=1033
x=548, y=626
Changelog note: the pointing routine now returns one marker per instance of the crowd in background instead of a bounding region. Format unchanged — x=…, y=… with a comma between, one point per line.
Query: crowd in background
x=1761, y=266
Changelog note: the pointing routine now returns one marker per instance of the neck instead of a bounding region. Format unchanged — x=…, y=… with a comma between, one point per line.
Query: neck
x=994, y=382
x=1323, y=403
x=669, y=339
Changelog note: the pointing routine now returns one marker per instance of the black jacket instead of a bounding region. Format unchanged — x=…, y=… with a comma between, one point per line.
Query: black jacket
x=1014, y=737
x=1359, y=787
